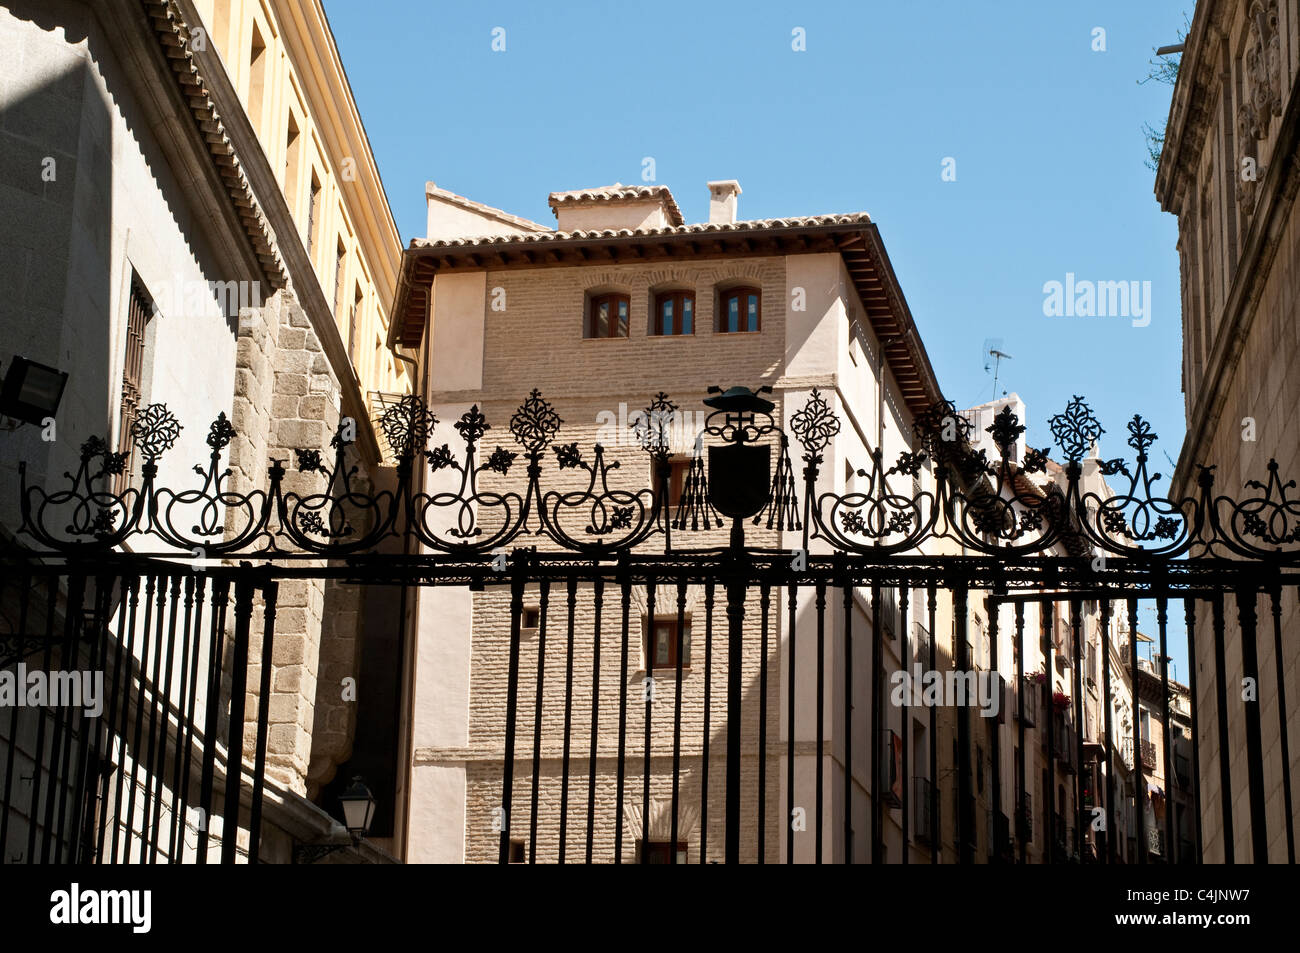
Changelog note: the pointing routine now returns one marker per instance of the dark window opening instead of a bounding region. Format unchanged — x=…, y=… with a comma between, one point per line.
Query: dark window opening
x=660, y=852
x=662, y=641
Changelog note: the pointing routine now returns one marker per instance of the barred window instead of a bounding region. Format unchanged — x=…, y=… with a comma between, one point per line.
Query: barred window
x=140, y=309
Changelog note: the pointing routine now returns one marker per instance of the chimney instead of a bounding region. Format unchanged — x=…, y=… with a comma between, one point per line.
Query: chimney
x=722, y=201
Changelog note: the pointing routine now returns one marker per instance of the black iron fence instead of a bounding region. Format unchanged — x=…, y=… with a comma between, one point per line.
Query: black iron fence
x=722, y=702
x=126, y=736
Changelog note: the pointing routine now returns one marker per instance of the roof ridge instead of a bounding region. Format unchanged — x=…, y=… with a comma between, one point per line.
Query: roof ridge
x=838, y=218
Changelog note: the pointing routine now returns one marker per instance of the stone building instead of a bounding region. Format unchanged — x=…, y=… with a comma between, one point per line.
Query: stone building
x=620, y=300
x=1229, y=172
x=193, y=217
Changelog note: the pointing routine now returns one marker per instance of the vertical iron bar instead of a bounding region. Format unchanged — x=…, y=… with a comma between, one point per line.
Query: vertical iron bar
x=708, y=698
x=792, y=600
x=995, y=744
x=142, y=678
x=1139, y=776
x=216, y=650
x=965, y=799
x=184, y=715
x=269, y=594
x=677, y=718
x=160, y=772
x=1162, y=622
x=150, y=769
x=543, y=603
x=598, y=606
x=88, y=736
x=1221, y=710
x=127, y=661
x=821, y=685
x=1077, y=665
x=1189, y=617
x=765, y=602
x=38, y=757
x=238, y=704
x=65, y=736
x=625, y=584
x=735, y=659
x=568, y=719
x=1247, y=618
x=27, y=586
x=1284, y=746
x=1107, y=716
x=1048, y=610
x=905, y=658
x=1023, y=820
x=876, y=719
x=936, y=842
x=648, y=690
x=848, y=717
x=193, y=649
x=519, y=578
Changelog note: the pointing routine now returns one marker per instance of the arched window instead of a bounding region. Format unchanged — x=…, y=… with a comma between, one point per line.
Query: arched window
x=674, y=313
x=607, y=316
x=740, y=309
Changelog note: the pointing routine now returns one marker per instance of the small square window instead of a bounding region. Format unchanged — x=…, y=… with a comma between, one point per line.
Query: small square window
x=517, y=852
x=661, y=644
x=679, y=471
x=531, y=617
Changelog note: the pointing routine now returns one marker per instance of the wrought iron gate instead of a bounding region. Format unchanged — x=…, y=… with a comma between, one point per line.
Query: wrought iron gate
x=732, y=687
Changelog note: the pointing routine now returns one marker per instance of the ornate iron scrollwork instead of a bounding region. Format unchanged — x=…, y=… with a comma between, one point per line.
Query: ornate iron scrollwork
x=469, y=500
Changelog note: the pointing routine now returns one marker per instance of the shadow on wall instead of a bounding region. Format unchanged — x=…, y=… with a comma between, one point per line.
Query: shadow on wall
x=62, y=96
x=56, y=206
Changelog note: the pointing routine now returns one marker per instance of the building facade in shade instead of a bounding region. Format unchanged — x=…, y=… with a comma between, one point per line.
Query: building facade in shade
x=1064, y=782
x=1167, y=761
x=1229, y=172
x=202, y=227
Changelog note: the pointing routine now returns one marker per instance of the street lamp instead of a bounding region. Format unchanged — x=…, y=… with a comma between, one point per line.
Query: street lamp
x=31, y=392
x=358, y=814
x=358, y=808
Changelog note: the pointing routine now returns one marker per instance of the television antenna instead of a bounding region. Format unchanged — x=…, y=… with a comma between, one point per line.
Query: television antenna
x=998, y=357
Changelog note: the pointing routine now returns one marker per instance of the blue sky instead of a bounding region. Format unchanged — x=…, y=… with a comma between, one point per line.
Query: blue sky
x=1046, y=134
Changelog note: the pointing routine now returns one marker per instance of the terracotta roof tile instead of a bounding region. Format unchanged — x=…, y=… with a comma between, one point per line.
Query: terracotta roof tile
x=702, y=228
x=618, y=192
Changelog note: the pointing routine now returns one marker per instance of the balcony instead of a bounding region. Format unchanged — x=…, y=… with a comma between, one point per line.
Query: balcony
x=1001, y=849
x=924, y=829
x=1148, y=755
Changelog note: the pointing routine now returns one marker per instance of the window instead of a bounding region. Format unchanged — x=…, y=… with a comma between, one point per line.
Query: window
x=313, y=213
x=674, y=313
x=256, y=78
x=740, y=310
x=140, y=309
x=1145, y=724
x=340, y=253
x=531, y=617
x=660, y=852
x=292, y=160
x=679, y=469
x=354, y=313
x=516, y=851
x=661, y=644
x=607, y=316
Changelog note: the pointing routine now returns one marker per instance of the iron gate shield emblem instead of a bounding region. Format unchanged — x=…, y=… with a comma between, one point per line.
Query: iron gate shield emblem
x=739, y=479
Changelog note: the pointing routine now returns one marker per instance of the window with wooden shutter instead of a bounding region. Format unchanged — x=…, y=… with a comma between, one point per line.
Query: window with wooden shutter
x=140, y=309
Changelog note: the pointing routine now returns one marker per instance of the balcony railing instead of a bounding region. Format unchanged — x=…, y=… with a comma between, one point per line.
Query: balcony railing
x=924, y=824
x=1148, y=755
